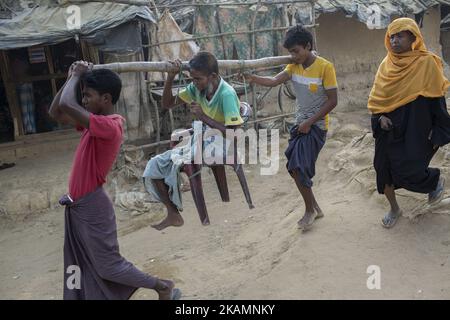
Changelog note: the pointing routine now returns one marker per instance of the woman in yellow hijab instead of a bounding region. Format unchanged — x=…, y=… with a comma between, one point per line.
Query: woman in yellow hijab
x=409, y=117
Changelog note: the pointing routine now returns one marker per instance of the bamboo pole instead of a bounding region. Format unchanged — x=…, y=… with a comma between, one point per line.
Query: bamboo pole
x=51, y=69
x=222, y=35
x=225, y=77
x=253, y=55
x=11, y=95
x=169, y=6
x=158, y=125
x=146, y=146
x=160, y=143
x=165, y=66
x=313, y=22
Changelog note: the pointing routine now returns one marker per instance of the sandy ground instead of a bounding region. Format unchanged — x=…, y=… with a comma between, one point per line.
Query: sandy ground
x=259, y=253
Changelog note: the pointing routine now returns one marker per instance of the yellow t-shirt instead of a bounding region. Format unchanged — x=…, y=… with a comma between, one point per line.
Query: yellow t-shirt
x=310, y=87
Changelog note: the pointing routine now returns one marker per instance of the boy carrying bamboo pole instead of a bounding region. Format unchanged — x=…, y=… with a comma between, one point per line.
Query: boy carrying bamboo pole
x=314, y=81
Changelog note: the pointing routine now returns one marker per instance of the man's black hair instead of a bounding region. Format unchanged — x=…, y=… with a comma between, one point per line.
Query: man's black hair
x=204, y=62
x=298, y=35
x=103, y=81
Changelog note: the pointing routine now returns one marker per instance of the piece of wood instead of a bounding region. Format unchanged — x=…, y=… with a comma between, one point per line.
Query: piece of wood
x=158, y=125
x=285, y=115
x=11, y=95
x=222, y=38
x=164, y=142
x=223, y=34
x=51, y=69
x=27, y=79
x=164, y=66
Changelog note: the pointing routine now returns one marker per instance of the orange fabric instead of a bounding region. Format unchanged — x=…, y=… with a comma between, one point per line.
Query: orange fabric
x=401, y=78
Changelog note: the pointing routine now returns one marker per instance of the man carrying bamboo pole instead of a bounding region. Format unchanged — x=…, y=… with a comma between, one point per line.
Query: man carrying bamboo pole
x=215, y=103
x=93, y=266
x=314, y=81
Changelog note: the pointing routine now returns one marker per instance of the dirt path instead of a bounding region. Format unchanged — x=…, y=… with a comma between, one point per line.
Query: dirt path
x=259, y=253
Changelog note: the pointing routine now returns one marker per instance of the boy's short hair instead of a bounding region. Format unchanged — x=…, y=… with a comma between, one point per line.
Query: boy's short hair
x=103, y=81
x=298, y=35
x=204, y=62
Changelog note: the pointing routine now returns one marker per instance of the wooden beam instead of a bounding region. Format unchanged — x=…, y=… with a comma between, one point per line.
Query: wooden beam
x=11, y=95
x=229, y=3
x=160, y=143
x=51, y=69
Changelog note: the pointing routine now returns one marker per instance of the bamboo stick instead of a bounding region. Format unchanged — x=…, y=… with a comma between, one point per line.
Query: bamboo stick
x=160, y=143
x=51, y=70
x=158, y=125
x=164, y=66
x=11, y=94
x=284, y=115
x=145, y=146
x=223, y=34
x=253, y=56
x=153, y=6
x=227, y=4
x=222, y=38
x=313, y=2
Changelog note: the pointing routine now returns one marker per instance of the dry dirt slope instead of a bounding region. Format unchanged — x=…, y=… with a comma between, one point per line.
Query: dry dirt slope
x=259, y=253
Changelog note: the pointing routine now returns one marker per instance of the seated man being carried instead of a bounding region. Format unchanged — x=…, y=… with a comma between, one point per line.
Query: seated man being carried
x=215, y=103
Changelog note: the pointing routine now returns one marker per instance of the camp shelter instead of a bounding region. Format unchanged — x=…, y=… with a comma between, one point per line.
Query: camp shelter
x=38, y=42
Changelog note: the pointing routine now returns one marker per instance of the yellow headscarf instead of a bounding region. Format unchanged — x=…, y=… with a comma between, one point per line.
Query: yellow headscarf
x=401, y=78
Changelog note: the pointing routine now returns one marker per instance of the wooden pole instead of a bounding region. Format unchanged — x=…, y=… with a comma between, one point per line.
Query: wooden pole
x=11, y=95
x=284, y=115
x=51, y=69
x=223, y=34
x=313, y=22
x=253, y=55
x=222, y=38
x=164, y=66
x=158, y=126
x=229, y=3
x=160, y=143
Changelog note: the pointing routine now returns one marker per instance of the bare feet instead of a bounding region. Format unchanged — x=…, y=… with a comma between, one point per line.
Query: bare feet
x=308, y=219
x=172, y=220
x=166, y=290
x=319, y=212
